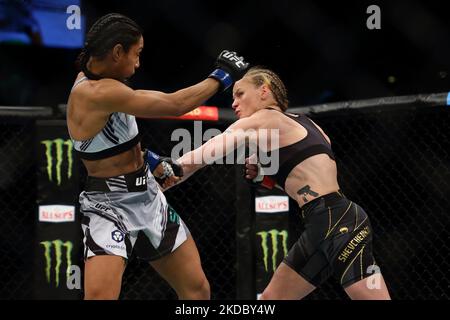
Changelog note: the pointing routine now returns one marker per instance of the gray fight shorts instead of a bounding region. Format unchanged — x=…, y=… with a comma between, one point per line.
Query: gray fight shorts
x=126, y=212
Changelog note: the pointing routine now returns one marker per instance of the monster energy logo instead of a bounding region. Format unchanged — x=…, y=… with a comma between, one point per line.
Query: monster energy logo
x=58, y=246
x=274, y=234
x=59, y=146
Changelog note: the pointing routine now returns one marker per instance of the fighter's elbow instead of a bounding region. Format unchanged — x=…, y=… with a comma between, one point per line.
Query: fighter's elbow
x=178, y=105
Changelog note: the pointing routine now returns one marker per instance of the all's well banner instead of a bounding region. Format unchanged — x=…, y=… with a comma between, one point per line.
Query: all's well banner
x=58, y=259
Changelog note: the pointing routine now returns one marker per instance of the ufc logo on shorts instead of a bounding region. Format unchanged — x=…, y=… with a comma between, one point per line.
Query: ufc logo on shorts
x=140, y=181
x=232, y=57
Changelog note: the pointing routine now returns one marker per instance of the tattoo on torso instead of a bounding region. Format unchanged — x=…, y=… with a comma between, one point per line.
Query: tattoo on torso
x=305, y=191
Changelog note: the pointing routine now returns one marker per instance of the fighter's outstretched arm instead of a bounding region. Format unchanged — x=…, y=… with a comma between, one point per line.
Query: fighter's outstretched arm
x=219, y=146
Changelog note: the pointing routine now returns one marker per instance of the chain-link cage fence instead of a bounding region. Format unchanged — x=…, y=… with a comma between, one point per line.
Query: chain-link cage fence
x=395, y=163
x=17, y=207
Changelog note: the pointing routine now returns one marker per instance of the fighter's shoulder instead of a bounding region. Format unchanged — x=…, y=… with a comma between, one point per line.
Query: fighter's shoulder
x=101, y=95
x=108, y=90
x=260, y=115
x=109, y=86
x=251, y=122
x=264, y=117
x=95, y=88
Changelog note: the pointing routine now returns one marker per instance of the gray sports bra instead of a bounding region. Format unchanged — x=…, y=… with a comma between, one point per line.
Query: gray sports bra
x=119, y=135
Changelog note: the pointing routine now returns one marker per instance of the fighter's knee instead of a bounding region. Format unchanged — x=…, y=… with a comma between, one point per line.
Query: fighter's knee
x=268, y=294
x=198, y=290
x=100, y=293
x=202, y=290
x=264, y=296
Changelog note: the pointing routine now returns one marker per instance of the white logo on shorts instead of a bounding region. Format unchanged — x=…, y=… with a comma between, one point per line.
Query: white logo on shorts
x=117, y=236
x=140, y=181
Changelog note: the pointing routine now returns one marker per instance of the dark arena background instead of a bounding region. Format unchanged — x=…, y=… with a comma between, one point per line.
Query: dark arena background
x=381, y=92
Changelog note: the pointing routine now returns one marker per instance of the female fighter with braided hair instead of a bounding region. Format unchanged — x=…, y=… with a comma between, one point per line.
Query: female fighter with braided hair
x=337, y=240
x=122, y=201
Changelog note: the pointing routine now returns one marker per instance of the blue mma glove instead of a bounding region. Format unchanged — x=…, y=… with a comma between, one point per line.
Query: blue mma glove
x=170, y=167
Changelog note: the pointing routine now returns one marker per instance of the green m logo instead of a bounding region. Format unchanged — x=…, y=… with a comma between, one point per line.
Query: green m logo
x=54, y=153
x=54, y=250
x=273, y=235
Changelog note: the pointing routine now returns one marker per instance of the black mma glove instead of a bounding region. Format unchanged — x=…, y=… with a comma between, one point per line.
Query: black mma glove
x=230, y=68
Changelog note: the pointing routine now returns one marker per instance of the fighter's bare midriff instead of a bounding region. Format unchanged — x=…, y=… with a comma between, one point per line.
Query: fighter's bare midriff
x=123, y=163
x=318, y=172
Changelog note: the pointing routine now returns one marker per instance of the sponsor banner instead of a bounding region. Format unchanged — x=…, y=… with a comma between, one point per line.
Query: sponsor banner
x=271, y=204
x=58, y=174
x=58, y=178
x=59, y=265
x=58, y=244
x=202, y=113
x=58, y=159
x=273, y=236
x=56, y=213
x=58, y=260
x=272, y=243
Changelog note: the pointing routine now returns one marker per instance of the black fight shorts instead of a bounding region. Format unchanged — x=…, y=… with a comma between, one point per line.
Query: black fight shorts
x=337, y=241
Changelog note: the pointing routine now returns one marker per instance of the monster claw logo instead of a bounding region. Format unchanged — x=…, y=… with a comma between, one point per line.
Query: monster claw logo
x=59, y=157
x=57, y=246
x=274, y=234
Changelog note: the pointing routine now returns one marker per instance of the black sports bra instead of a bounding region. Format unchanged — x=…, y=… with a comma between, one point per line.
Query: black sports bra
x=290, y=156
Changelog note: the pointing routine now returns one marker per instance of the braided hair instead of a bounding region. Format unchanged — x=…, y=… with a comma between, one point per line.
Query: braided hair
x=259, y=75
x=107, y=31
